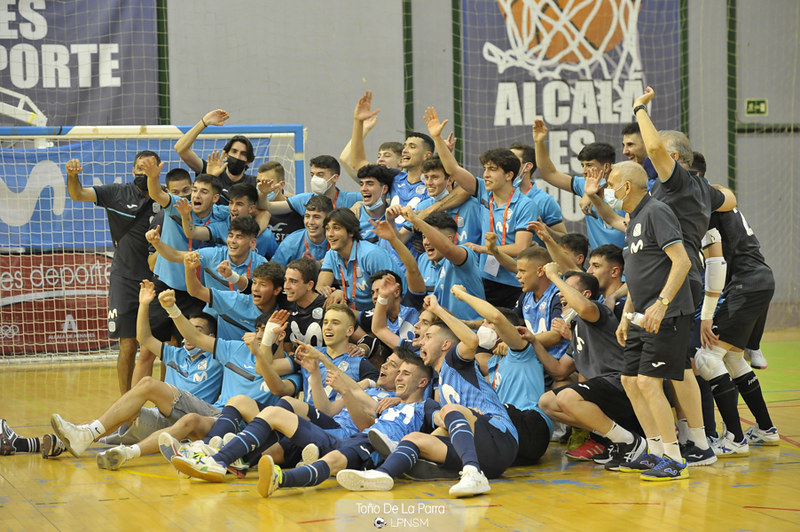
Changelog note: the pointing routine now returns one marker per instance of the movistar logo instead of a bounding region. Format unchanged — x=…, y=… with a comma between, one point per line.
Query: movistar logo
x=16, y=208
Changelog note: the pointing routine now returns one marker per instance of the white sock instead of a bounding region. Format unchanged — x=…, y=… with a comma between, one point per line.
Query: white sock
x=133, y=451
x=619, y=434
x=698, y=436
x=673, y=450
x=655, y=447
x=683, y=431
x=97, y=428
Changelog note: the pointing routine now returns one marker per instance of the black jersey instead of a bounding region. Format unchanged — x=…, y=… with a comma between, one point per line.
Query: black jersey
x=282, y=225
x=129, y=216
x=692, y=200
x=595, y=349
x=653, y=226
x=305, y=324
x=740, y=247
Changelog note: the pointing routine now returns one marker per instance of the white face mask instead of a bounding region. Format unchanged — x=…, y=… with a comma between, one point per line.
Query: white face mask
x=517, y=181
x=613, y=201
x=374, y=206
x=272, y=195
x=569, y=315
x=441, y=195
x=319, y=184
x=487, y=338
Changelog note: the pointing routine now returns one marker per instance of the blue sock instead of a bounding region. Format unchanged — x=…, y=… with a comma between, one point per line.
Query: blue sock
x=401, y=460
x=308, y=475
x=306, y=433
x=321, y=420
x=283, y=403
x=227, y=422
x=462, y=437
x=253, y=437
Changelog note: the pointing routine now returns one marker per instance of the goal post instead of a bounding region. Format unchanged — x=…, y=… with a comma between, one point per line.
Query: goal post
x=55, y=254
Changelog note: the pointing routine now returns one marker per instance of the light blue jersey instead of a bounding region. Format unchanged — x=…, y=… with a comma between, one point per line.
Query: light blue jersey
x=403, y=419
x=518, y=379
x=597, y=230
x=201, y=377
x=364, y=260
x=294, y=245
x=468, y=217
x=265, y=241
x=343, y=199
x=539, y=315
x=236, y=313
x=549, y=209
x=440, y=277
x=346, y=424
x=357, y=368
x=210, y=258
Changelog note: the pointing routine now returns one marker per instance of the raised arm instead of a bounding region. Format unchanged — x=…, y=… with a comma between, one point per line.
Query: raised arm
x=185, y=327
x=506, y=261
x=153, y=171
x=192, y=231
x=468, y=340
x=385, y=299
x=191, y=261
x=592, y=191
x=274, y=207
x=144, y=334
x=451, y=251
x=183, y=146
x=580, y=303
x=465, y=179
x=153, y=236
x=386, y=230
x=504, y=328
x=76, y=191
x=560, y=368
x=266, y=364
x=655, y=145
x=546, y=167
x=556, y=250
x=363, y=113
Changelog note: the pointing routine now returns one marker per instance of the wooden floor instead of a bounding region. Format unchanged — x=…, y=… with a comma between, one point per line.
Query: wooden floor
x=760, y=492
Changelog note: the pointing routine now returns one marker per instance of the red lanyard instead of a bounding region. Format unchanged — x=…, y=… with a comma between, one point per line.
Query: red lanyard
x=305, y=242
x=247, y=275
x=204, y=225
x=529, y=189
x=344, y=284
x=505, y=214
x=335, y=198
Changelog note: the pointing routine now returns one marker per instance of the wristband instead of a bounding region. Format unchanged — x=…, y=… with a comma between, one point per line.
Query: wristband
x=709, y=307
x=204, y=122
x=383, y=300
x=270, y=332
x=371, y=383
x=173, y=311
x=637, y=108
x=233, y=278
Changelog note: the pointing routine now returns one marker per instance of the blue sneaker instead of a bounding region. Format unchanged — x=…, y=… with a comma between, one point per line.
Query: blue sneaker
x=696, y=456
x=644, y=462
x=667, y=469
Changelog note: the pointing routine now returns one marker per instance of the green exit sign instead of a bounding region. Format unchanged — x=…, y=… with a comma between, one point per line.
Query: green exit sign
x=755, y=107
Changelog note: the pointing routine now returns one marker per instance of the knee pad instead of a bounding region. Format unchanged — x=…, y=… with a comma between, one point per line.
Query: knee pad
x=709, y=362
x=734, y=361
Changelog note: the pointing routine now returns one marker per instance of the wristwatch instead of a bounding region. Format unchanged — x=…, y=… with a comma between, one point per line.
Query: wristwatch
x=664, y=300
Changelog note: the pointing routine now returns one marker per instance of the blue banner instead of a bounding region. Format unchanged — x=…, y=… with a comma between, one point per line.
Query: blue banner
x=576, y=65
x=92, y=62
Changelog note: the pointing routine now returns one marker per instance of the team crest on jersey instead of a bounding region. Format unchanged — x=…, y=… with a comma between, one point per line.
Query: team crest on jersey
x=202, y=366
x=637, y=229
x=460, y=221
x=442, y=274
x=358, y=271
x=420, y=189
x=543, y=306
x=156, y=207
x=317, y=313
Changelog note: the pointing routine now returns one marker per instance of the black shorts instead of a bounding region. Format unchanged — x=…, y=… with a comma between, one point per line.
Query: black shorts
x=496, y=448
x=601, y=391
x=742, y=316
x=501, y=295
x=161, y=324
x=358, y=451
x=661, y=355
x=123, y=305
x=534, y=434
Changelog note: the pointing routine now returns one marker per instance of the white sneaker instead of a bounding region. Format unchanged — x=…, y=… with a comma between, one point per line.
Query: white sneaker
x=309, y=455
x=473, y=482
x=113, y=458
x=559, y=431
x=76, y=438
x=756, y=436
x=269, y=476
x=726, y=447
x=382, y=443
x=168, y=445
x=371, y=480
x=756, y=358
x=203, y=467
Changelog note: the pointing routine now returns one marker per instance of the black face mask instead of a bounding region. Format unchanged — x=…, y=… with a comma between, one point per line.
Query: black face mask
x=236, y=166
x=140, y=180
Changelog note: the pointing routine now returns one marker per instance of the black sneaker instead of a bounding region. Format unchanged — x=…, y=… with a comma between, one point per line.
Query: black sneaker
x=7, y=437
x=605, y=456
x=427, y=470
x=666, y=469
x=626, y=452
x=51, y=446
x=696, y=456
x=644, y=462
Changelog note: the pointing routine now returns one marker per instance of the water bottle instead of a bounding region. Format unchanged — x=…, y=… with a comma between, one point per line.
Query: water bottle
x=637, y=318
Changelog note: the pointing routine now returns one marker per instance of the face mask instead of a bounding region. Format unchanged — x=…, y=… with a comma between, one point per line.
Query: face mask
x=613, y=201
x=517, y=181
x=272, y=195
x=569, y=315
x=236, y=166
x=375, y=206
x=319, y=184
x=487, y=338
x=193, y=351
x=140, y=180
x=443, y=194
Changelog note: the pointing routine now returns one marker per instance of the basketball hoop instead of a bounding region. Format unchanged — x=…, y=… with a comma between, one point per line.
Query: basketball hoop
x=587, y=38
